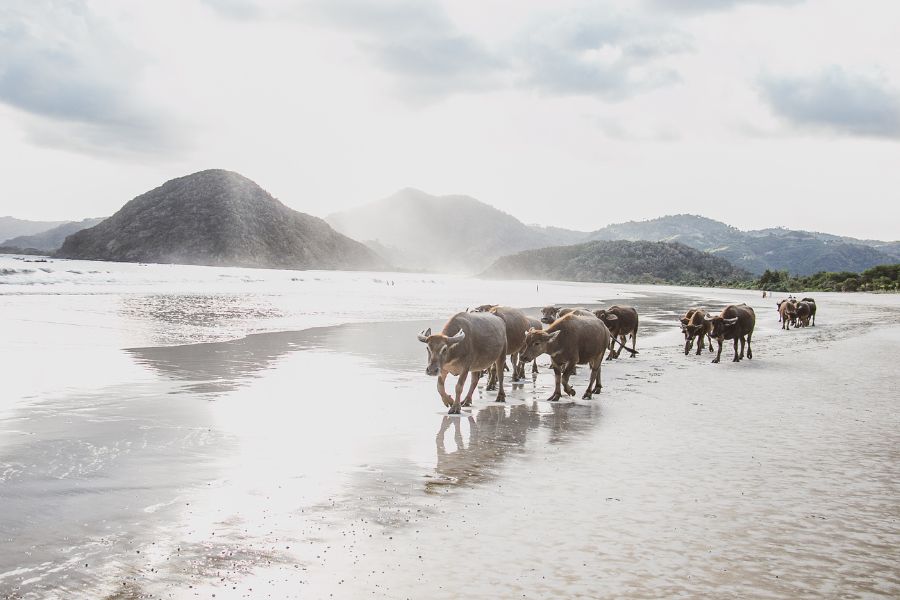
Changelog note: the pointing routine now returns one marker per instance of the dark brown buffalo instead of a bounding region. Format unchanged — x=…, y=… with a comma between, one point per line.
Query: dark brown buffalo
x=736, y=322
x=516, y=325
x=570, y=340
x=804, y=312
x=621, y=321
x=787, y=313
x=551, y=313
x=812, y=306
x=468, y=343
x=695, y=327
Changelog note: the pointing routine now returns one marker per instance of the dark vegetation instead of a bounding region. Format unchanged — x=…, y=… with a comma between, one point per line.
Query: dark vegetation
x=620, y=262
x=883, y=278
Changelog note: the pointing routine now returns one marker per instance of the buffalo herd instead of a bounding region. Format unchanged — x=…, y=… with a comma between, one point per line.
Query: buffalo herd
x=477, y=342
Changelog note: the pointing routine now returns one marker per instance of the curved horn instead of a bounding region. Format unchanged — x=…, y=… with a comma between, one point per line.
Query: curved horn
x=611, y=317
x=708, y=318
x=731, y=321
x=457, y=338
x=423, y=337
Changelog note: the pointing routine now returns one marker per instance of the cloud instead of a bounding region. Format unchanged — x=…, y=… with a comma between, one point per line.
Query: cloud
x=77, y=81
x=236, y=9
x=703, y=6
x=415, y=42
x=601, y=55
x=836, y=101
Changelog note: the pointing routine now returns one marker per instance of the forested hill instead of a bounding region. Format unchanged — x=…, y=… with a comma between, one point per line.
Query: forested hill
x=619, y=262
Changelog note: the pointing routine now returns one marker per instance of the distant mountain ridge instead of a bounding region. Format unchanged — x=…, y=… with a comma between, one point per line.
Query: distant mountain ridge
x=219, y=218
x=52, y=239
x=799, y=252
x=416, y=230
x=10, y=227
x=619, y=261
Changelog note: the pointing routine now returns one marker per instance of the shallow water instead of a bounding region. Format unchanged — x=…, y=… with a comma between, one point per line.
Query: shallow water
x=157, y=441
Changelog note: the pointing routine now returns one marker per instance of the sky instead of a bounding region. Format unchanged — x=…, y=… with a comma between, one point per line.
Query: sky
x=576, y=114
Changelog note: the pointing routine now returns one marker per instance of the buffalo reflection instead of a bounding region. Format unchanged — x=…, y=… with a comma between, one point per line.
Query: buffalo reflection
x=497, y=432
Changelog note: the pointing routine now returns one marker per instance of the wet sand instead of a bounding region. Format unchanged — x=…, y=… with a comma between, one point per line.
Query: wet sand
x=321, y=463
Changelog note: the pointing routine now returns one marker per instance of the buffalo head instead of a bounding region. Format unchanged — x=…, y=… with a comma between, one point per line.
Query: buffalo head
x=438, y=346
x=549, y=314
x=536, y=342
x=719, y=325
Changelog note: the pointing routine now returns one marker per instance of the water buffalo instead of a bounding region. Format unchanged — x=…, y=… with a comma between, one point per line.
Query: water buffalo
x=695, y=327
x=532, y=324
x=736, y=322
x=516, y=325
x=468, y=343
x=812, y=306
x=570, y=340
x=804, y=312
x=787, y=313
x=551, y=313
x=621, y=322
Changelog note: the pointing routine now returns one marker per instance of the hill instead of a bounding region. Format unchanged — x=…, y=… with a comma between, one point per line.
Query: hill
x=52, y=239
x=444, y=233
x=800, y=252
x=11, y=227
x=217, y=217
x=619, y=261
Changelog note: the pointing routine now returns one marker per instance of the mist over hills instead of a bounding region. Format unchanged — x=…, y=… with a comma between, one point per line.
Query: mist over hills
x=415, y=230
x=219, y=218
x=619, y=261
x=800, y=252
x=52, y=239
x=11, y=227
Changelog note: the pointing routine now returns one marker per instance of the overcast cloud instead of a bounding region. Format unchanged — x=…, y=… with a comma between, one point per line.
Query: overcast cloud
x=606, y=111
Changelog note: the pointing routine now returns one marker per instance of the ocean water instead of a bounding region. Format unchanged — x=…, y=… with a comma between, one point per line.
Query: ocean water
x=178, y=432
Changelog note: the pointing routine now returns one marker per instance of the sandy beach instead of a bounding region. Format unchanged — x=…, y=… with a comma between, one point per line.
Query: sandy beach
x=199, y=432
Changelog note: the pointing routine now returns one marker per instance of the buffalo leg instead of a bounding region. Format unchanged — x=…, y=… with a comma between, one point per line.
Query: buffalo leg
x=445, y=397
x=700, y=343
x=570, y=368
x=594, y=384
x=534, y=370
x=749, y=349
x=736, y=357
x=556, y=391
x=612, y=348
x=634, y=342
x=473, y=383
x=514, y=358
x=501, y=394
x=719, y=353
x=492, y=379
x=460, y=384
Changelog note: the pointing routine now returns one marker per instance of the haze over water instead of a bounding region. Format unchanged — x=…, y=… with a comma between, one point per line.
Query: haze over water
x=178, y=432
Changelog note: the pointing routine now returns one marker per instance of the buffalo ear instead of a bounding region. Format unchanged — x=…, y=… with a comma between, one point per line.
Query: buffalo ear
x=552, y=336
x=423, y=337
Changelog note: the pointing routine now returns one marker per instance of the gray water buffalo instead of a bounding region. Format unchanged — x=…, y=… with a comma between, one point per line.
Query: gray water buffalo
x=570, y=340
x=621, y=321
x=787, y=313
x=735, y=322
x=694, y=326
x=468, y=344
x=532, y=324
x=516, y=325
x=551, y=313
x=812, y=307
